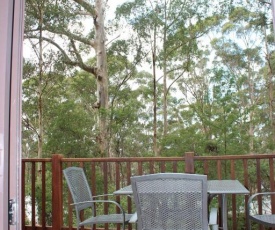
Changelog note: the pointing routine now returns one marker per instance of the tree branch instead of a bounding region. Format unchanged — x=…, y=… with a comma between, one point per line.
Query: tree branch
x=86, y=6
x=265, y=2
x=28, y=125
x=79, y=58
x=67, y=59
x=70, y=35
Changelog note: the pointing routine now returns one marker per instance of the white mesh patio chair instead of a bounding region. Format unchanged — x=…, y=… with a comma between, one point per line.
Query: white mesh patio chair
x=83, y=200
x=265, y=217
x=172, y=201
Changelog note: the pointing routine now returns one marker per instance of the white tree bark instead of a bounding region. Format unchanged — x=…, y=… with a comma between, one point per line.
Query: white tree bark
x=101, y=75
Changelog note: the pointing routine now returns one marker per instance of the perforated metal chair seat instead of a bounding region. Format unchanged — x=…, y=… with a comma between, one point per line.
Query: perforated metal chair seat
x=268, y=220
x=104, y=219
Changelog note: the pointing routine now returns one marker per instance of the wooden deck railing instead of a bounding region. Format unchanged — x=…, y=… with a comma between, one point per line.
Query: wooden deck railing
x=45, y=197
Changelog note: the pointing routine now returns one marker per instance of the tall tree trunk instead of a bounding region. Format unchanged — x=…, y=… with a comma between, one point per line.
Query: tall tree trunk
x=251, y=113
x=270, y=87
x=101, y=76
x=40, y=85
x=154, y=49
x=165, y=125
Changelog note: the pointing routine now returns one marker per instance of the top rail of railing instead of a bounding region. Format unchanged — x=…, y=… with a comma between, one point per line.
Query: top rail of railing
x=140, y=159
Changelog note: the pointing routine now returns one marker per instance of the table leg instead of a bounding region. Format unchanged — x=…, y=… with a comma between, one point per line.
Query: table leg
x=224, y=212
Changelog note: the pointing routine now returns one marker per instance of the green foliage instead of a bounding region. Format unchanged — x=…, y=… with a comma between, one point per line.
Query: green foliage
x=218, y=101
x=68, y=132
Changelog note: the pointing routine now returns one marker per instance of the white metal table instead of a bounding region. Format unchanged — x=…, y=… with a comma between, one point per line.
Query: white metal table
x=215, y=187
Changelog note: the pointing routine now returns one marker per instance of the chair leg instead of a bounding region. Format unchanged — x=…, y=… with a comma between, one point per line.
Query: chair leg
x=215, y=227
x=249, y=224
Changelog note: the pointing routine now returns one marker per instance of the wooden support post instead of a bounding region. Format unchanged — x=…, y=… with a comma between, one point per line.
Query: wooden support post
x=189, y=162
x=57, y=191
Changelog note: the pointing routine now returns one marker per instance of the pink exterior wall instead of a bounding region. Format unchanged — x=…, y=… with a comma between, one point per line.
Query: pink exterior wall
x=11, y=34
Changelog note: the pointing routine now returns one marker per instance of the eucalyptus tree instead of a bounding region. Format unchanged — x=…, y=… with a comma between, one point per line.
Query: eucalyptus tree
x=38, y=49
x=240, y=50
x=68, y=114
x=72, y=118
x=263, y=22
x=124, y=102
x=144, y=19
x=75, y=29
x=227, y=125
x=130, y=119
x=39, y=87
x=239, y=55
x=168, y=31
x=130, y=104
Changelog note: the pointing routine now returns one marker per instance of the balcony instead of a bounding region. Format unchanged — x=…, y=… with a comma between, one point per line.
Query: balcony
x=45, y=197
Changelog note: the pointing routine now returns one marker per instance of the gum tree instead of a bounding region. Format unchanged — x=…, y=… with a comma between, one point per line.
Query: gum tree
x=75, y=29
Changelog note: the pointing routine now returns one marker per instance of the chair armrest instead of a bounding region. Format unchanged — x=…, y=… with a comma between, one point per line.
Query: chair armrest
x=102, y=195
x=254, y=196
x=100, y=201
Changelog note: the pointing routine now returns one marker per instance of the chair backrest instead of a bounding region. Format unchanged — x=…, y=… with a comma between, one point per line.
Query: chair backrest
x=169, y=201
x=79, y=187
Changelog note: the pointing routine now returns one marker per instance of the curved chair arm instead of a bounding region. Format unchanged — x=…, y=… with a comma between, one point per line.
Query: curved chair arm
x=251, y=198
x=264, y=219
x=130, y=196
x=100, y=201
x=102, y=195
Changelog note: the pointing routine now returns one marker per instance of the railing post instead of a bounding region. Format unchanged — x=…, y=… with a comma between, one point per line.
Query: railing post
x=189, y=162
x=57, y=191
